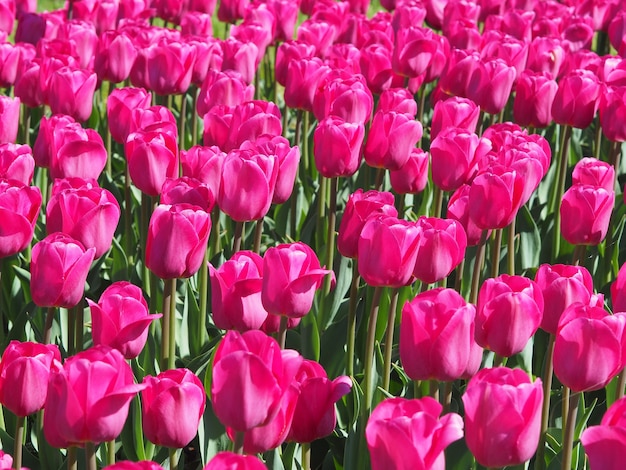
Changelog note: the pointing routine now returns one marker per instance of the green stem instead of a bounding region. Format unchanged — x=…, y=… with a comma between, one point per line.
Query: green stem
x=433, y=388
x=306, y=456
x=71, y=332
x=621, y=384
x=478, y=266
x=47, y=331
x=459, y=276
x=495, y=259
x=579, y=254
x=258, y=234
x=204, y=291
x=90, y=456
x=194, y=116
x=238, y=236
x=26, y=125
x=79, y=316
x=559, y=189
x=146, y=213
x=565, y=406
x=173, y=459
x=545, y=409
x=238, y=442
x=171, y=357
x=511, y=248
x=183, y=123
x=128, y=217
x=354, y=299
x=391, y=322
x=166, y=323
x=305, y=141
x=380, y=179
x=369, y=351
x=110, y=452
x=321, y=212
x=216, y=239
x=108, y=144
x=72, y=461
x=497, y=360
x=282, y=331
x=568, y=436
x=19, y=437
x=438, y=202
x=447, y=397
x=330, y=239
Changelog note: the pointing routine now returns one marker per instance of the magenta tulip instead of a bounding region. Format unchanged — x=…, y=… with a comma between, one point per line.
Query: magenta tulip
x=17, y=163
x=534, y=96
x=576, y=99
x=594, y=172
x=337, y=147
x=226, y=88
x=585, y=214
x=390, y=140
x=412, y=177
x=9, y=118
x=115, y=56
x=604, y=444
x=152, y=158
x=230, y=461
x=19, y=208
x=70, y=91
x=456, y=112
x=120, y=104
x=203, y=164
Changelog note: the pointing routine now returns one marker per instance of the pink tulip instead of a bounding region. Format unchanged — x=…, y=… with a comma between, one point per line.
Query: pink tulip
x=58, y=271
x=253, y=119
x=412, y=177
x=576, y=99
x=618, y=291
x=612, y=109
x=88, y=399
x=250, y=376
x=209, y=56
x=346, y=98
x=604, y=444
x=454, y=112
x=375, y=62
x=437, y=337
x=189, y=191
x=236, y=292
x=152, y=158
x=203, y=164
x=508, y=313
x=533, y=99
x=242, y=57
x=9, y=59
x=9, y=118
x=502, y=416
x=594, y=172
x=390, y=140
x=589, y=349
x=288, y=52
x=76, y=152
x=230, y=461
x=223, y=88
x=17, y=163
x=585, y=214
x=27, y=87
x=164, y=67
x=24, y=373
x=409, y=434
x=128, y=465
x=413, y=50
x=360, y=207
x=165, y=399
x=230, y=11
x=303, y=77
x=490, y=84
x=115, y=56
x=400, y=100
x=217, y=124
x=177, y=240
x=153, y=119
x=546, y=54
x=70, y=91
x=120, y=319
x=19, y=208
x=292, y=274
x=458, y=209
x=337, y=147
x=120, y=106
x=456, y=77
x=387, y=251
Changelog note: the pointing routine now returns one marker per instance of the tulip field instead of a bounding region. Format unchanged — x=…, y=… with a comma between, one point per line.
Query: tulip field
x=312, y=234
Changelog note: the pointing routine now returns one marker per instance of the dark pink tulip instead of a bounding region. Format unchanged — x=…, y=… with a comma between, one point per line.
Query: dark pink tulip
x=254, y=32
x=291, y=275
x=230, y=461
x=458, y=73
x=9, y=61
x=502, y=416
x=458, y=209
x=70, y=91
x=115, y=56
x=9, y=118
x=319, y=33
x=19, y=208
x=27, y=84
x=576, y=99
x=546, y=54
x=437, y=336
x=252, y=120
x=456, y=112
x=24, y=373
x=153, y=119
x=236, y=292
x=613, y=111
x=226, y=88
x=604, y=444
x=490, y=85
x=303, y=78
x=375, y=62
x=187, y=190
x=337, y=147
x=166, y=398
x=586, y=213
x=217, y=124
x=618, y=291
x=391, y=139
x=209, y=56
x=387, y=251
x=314, y=416
x=286, y=53
x=88, y=399
x=360, y=207
x=412, y=177
x=617, y=33
x=128, y=465
x=347, y=98
x=242, y=57
x=17, y=163
x=413, y=50
x=229, y=11
x=508, y=313
x=589, y=348
x=612, y=71
x=169, y=10
x=121, y=319
x=594, y=172
x=7, y=16
x=534, y=95
x=455, y=154
x=409, y=434
x=88, y=214
x=250, y=378
x=152, y=158
x=286, y=14
x=516, y=23
x=203, y=164
x=577, y=33
x=177, y=240
x=247, y=184
x=83, y=35
x=76, y=152
x=459, y=10
x=120, y=106
x=463, y=33
x=168, y=65
x=495, y=196
x=399, y=100
x=58, y=271
x=31, y=27
x=440, y=249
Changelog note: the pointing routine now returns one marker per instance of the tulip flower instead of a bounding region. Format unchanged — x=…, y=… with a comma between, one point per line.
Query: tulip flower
x=203, y=164
x=70, y=91
x=236, y=292
x=337, y=147
x=594, y=172
x=437, y=337
x=152, y=158
x=303, y=77
x=58, y=271
x=17, y=163
x=347, y=98
x=534, y=94
x=209, y=56
x=618, y=291
x=189, y=191
x=128, y=465
x=9, y=118
x=546, y=54
x=226, y=88
x=502, y=416
x=612, y=108
x=164, y=67
x=413, y=50
x=253, y=119
x=120, y=104
x=177, y=240
x=509, y=311
x=243, y=57
x=409, y=434
x=24, y=373
x=121, y=319
x=390, y=140
x=605, y=443
x=397, y=99
x=229, y=461
x=456, y=112
x=88, y=398
x=115, y=56
x=576, y=99
x=585, y=214
x=166, y=398
x=153, y=119
x=19, y=208
x=589, y=348
x=77, y=152
x=490, y=85
x=412, y=177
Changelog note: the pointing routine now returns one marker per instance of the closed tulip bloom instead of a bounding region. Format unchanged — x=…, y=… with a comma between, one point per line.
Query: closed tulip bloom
x=120, y=105
x=247, y=185
x=458, y=209
x=17, y=162
x=303, y=77
x=27, y=87
x=152, y=158
x=412, y=177
x=242, y=57
x=115, y=56
x=9, y=118
x=230, y=11
x=231, y=461
x=88, y=214
x=292, y=274
x=612, y=111
x=24, y=373
x=534, y=94
x=387, y=251
x=618, y=291
x=226, y=88
x=508, y=313
x=440, y=249
x=236, y=292
x=454, y=112
x=164, y=67
x=250, y=377
x=19, y=208
x=409, y=434
x=121, y=319
x=502, y=416
x=9, y=59
x=70, y=91
x=490, y=85
x=177, y=240
x=77, y=152
x=347, y=98
x=594, y=172
x=203, y=164
x=288, y=52
x=173, y=394
x=546, y=54
x=413, y=50
x=375, y=62
x=390, y=140
x=58, y=271
x=253, y=119
x=585, y=214
x=189, y=191
x=458, y=73
x=337, y=147
x=437, y=336
x=604, y=444
x=576, y=99
x=217, y=127
x=209, y=56
x=128, y=465
x=589, y=348
x=359, y=208
x=400, y=100
x=88, y=399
